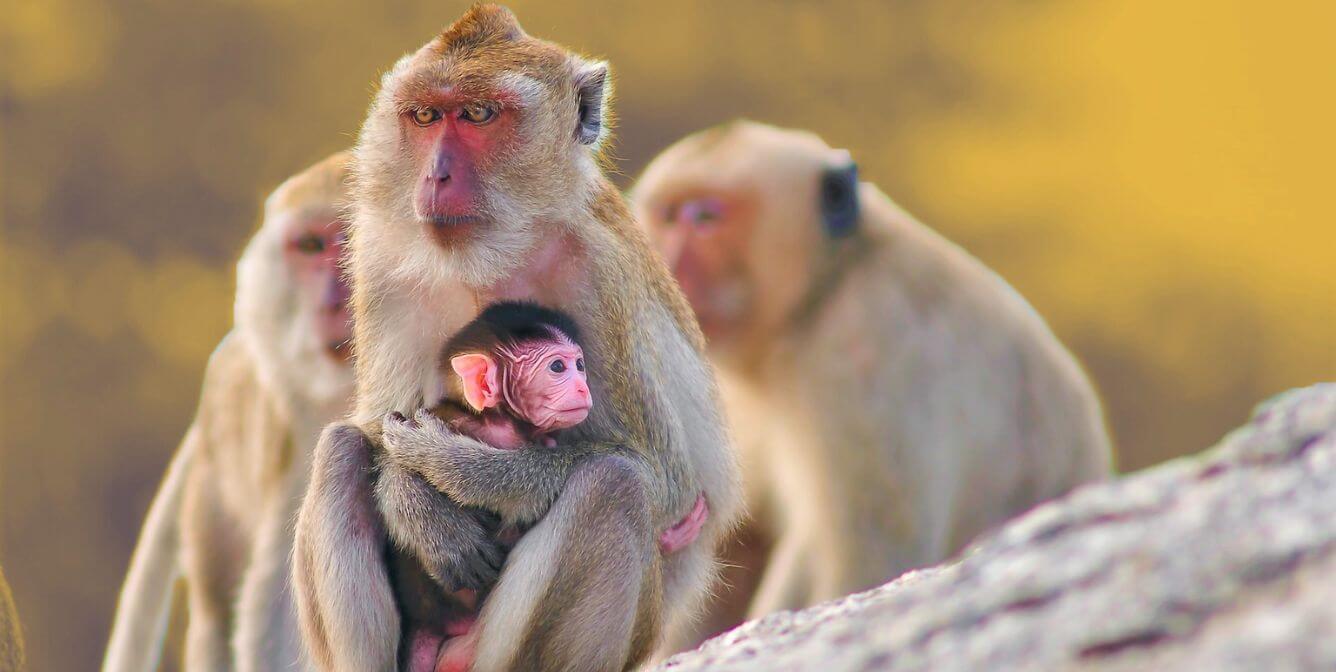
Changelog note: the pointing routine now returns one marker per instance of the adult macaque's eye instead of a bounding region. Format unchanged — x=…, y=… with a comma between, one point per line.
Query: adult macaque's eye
x=477, y=114
x=557, y=366
x=426, y=116
x=310, y=244
x=580, y=364
x=702, y=212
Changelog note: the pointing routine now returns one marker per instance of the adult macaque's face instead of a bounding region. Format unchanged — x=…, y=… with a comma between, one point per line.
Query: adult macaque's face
x=312, y=247
x=703, y=237
x=450, y=134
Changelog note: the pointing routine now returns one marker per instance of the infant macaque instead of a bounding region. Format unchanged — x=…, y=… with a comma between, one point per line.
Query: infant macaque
x=514, y=377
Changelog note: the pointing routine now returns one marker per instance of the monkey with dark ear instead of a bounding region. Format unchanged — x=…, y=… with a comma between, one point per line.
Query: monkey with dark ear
x=839, y=199
x=807, y=281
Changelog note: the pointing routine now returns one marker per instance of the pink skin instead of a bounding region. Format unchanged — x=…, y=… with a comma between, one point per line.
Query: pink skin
x=543, y=382
x=550, y=400
x=449, y=147
x=457, y=655
x=681, y=535
x=312, y=248
x=452, y=652
x=694, y=239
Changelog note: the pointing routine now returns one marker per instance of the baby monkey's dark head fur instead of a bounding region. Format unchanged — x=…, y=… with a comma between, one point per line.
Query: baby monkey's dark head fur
x=509, y=323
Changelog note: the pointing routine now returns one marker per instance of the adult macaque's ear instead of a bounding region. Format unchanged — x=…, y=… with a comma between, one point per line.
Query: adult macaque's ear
x=479, y=375
x=839, y=199
x=593, y=89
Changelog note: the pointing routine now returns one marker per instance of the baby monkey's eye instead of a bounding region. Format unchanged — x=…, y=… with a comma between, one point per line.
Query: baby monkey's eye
x=557, y=366
x=477, y=114
x=426, y=116
x=310, y=244
x=580, y=364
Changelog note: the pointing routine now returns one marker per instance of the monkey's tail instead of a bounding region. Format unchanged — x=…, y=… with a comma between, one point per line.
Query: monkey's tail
x=140, y=626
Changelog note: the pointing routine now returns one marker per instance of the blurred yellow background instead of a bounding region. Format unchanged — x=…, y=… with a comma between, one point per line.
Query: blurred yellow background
x=1156, y=178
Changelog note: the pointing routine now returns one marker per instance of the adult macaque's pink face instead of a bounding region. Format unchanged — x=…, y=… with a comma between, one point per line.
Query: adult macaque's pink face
x=703, y=237
x=312, y=247
x=451, y=134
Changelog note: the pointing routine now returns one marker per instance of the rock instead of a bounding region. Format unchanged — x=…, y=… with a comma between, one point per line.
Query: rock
x=1222, y=561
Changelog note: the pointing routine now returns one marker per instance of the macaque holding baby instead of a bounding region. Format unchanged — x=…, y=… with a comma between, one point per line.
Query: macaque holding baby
x=514, y=378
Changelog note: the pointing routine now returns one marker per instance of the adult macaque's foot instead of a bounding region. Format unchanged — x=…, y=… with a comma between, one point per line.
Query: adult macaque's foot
x=680, y=535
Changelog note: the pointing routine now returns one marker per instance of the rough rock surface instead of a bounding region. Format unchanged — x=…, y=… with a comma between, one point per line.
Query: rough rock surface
x=1222, y=561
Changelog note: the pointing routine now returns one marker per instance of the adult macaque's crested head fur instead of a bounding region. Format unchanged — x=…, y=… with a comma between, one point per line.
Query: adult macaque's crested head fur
x=467, y=142
x=291, y=304
x=750, y=218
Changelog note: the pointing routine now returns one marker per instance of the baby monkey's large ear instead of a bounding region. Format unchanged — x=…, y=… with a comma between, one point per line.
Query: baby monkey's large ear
x=478, y=372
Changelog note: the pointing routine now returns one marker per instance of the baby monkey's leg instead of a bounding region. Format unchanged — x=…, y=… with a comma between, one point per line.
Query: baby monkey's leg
x=455, y=545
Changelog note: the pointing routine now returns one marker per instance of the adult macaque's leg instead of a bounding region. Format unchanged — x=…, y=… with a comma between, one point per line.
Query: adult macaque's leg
x=584, y=584
x=342, y=587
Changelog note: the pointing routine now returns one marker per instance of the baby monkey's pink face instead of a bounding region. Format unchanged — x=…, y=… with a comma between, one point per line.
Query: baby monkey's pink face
x=543, y=381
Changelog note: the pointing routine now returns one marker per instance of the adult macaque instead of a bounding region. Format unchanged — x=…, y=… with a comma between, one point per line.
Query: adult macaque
x=224, y=512
x=892, y=397
x=477, y=176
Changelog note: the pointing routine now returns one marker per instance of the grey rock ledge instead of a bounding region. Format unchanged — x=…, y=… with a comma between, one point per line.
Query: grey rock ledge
x=1221, y=561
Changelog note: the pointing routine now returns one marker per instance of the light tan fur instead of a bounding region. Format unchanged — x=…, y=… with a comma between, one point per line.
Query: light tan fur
x=586, y=587
x=11, y=632
x=223, y=515
x=891, y=397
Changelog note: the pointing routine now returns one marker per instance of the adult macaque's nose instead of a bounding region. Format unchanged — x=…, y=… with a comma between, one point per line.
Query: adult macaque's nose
x=440, y=168
x=337, y=293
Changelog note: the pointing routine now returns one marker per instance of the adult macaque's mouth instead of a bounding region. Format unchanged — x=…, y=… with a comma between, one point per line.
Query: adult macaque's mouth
x=341, y=350
x=447, y=221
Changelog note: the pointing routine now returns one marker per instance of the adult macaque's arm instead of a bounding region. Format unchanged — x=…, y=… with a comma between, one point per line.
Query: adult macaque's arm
x=519, y=484
x=342, y=587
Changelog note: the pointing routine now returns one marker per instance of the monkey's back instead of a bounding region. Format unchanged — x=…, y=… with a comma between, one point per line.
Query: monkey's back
x=940, y=390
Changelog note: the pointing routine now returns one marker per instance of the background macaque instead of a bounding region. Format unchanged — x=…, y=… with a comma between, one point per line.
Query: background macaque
x=477, y=181
x=223, y=514
x=891, y=396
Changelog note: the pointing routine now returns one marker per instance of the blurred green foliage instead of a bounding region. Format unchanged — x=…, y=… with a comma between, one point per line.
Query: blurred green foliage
x=1152, y=176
